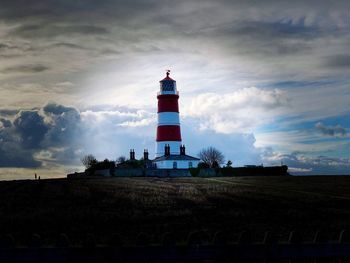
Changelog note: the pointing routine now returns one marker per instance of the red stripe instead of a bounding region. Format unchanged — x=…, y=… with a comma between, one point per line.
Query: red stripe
x=168, y=103
x=168, y=133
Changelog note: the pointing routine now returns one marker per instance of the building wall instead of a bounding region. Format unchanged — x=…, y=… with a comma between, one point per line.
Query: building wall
x=180, y=164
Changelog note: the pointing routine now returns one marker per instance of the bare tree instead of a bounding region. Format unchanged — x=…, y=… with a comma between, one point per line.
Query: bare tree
x=229, y=164
x=212, y=157
x=88, y=160
x=120, y=159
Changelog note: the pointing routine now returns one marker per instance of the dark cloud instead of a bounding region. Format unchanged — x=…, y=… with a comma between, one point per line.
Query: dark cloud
x=265, y=38
x=5, y=123
x=271, y=30
x=16, y=157
x=78, y=10
x=237, y=27
x=13, y=50
x=12, y=151
x=334, y=131
x=56, y=109
x=65, y=156
x=54, y=129
x=337, y=61
x=7, y=112
x=301, y=164
x=109, y=51
x=4, y=46
x=37, y=68
x=31, y=128
x=65, y=126
x=52, y=30
x=68, y=45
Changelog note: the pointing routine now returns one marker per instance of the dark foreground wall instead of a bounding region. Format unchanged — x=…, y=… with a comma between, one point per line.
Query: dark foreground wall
x=195, y=172
x=136, y=172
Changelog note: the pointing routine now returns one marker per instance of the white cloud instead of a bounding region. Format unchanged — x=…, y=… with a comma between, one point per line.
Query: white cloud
x=238, y=111
x=120, y=117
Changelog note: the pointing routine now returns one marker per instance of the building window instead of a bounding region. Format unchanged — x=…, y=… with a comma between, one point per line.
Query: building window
x=190, y=165
x=174, y=165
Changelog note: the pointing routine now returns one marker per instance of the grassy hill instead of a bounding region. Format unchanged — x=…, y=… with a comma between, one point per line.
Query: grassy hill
x=128, y=206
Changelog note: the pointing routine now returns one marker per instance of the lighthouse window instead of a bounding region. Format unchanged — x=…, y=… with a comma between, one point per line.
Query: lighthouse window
x=190, y=165
x=168, y=86
x=174, y=165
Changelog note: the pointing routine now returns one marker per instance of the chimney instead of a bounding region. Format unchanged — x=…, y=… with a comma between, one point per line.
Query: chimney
x=145, y=154
x=132, y=154
x=167, y=150
x=182, y=150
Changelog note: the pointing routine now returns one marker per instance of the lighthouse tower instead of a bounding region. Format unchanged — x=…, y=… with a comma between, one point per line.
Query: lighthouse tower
x=170, y=153
x=168, y=128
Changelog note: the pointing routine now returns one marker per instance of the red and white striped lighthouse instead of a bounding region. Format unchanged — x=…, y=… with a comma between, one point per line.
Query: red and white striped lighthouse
x=168, y=128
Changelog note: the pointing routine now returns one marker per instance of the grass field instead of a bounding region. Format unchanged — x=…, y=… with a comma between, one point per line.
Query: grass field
x=128, y=206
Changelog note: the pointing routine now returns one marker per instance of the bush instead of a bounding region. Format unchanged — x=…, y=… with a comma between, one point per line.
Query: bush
x=194, y=172
x=203, y=165
x=106, y=164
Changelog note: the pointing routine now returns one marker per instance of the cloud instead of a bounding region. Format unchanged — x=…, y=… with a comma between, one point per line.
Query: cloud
x=266, y=38
x=238, y=111
x=12, y=151
x=302, y=164
x=5, y=123
x=25, y=69
x=140, y=123
x=8, y=112
x=65, y=126
x=237, y=147
x=56, y=109
x=16, y=157
x=7, y=46
x=337, y=61
x=52, y=30
x=31, y=128
x=67, y=45
x=333, y=131
x=60, y=135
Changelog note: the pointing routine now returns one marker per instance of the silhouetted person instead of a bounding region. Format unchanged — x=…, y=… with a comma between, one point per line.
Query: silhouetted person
x=39, y=177
x=35, y=176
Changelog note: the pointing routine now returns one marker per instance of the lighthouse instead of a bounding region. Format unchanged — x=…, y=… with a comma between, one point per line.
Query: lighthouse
x=168, y=126
x=170, y=153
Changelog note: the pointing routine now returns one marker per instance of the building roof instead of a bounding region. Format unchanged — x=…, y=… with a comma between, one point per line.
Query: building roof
x=167, y=76
x=176, y=157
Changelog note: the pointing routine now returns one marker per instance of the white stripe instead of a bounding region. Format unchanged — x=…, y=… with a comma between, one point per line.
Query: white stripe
x=168, y=118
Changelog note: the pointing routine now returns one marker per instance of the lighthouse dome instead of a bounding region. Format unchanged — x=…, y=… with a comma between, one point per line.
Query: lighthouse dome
x=168, y=85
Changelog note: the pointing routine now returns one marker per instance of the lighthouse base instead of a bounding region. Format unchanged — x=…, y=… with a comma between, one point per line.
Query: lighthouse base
x=176, y=162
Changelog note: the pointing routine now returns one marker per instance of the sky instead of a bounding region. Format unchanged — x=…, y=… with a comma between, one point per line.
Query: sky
x=265, y=82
